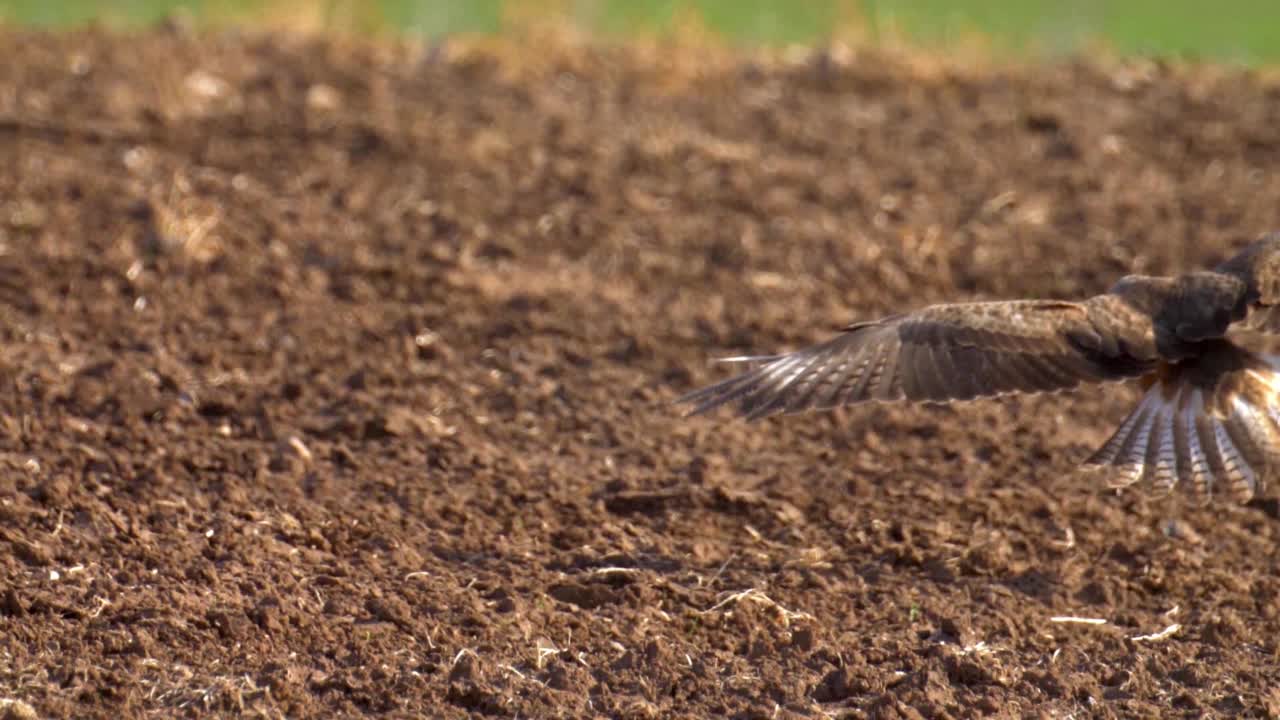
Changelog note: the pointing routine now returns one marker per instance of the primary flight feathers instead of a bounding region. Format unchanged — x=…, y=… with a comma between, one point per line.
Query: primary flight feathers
x=1209, y=418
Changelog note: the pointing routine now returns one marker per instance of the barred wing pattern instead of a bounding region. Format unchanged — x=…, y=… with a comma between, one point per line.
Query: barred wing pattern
x=947, y=352
x=1208, y=424
x=1210, y=418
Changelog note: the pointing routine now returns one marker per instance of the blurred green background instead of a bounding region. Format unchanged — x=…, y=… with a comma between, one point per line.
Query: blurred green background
x=1245, y=31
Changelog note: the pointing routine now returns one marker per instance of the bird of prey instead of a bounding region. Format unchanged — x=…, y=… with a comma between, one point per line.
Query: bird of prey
x=1210, y=416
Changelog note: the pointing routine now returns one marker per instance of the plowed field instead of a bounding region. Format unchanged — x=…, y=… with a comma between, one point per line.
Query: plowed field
x=336, y=379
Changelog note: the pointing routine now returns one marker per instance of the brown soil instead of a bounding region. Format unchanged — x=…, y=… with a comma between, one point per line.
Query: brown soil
x=337, y=382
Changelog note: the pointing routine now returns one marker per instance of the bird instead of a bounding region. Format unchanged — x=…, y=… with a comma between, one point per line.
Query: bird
x=1209, y=416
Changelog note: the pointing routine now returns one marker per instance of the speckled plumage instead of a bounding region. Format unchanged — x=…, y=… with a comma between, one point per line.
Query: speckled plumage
x=1209, y=420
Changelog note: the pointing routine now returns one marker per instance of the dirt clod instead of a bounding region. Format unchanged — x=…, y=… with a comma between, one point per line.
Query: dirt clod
x=17, y=710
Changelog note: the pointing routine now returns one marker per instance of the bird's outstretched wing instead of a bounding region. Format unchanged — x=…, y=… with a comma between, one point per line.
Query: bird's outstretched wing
x=1210, y=423
x=948, y=352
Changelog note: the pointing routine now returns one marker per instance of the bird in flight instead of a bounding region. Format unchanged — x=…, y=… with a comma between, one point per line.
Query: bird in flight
x=1210, y=415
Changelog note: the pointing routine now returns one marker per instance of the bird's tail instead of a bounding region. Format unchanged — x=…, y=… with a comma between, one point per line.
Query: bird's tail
x=1210, y=424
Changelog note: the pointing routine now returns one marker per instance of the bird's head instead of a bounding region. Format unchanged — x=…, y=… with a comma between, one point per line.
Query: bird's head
x=1259, y=266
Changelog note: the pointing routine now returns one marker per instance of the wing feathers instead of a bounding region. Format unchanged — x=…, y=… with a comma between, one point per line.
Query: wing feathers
x=1131, y=453
x=940, y=353
x=1115, y=448
x=1160, y=467
x=886, y=380
x=1210, y=419
x=1200, y=447
x=1209, y=424
x=937, y=378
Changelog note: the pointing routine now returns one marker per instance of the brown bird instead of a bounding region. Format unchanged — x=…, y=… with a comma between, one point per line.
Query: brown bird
x=1209, y=418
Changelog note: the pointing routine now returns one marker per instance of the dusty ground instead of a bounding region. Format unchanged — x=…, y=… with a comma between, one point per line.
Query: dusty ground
x=337, y=380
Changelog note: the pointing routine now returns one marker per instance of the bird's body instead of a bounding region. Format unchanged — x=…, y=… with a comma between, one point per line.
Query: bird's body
x=1211, y=414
